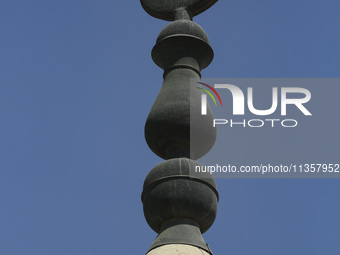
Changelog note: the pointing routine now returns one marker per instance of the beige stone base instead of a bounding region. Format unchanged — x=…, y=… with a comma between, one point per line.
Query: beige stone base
x=177, y=249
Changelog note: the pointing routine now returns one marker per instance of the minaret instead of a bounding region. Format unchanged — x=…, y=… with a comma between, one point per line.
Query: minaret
x=179, y=204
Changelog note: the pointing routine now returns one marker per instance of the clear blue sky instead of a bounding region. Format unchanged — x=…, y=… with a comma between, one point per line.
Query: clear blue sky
x=76, y=85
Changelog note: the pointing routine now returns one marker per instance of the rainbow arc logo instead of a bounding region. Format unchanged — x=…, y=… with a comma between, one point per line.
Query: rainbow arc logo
x=204, y=97
x=209, y=93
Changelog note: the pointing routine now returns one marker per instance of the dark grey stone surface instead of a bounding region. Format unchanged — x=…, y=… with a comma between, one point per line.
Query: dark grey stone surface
x=182, y=50
x=164, y=9
x=178, y=204
x=171, y=190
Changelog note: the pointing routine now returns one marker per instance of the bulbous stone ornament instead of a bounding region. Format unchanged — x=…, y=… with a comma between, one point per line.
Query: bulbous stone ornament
x=175, y=128
x=182, y=39
x=179, y=203
x=164, y=9
x=173, y=189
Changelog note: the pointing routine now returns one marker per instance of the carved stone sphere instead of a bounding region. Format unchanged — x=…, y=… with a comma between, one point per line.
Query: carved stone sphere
x=172, y=190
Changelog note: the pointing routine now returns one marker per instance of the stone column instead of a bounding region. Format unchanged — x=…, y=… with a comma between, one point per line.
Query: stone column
x=178, y=203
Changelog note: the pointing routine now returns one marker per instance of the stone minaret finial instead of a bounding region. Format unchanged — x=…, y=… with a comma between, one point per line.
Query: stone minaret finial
x=178, y=203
